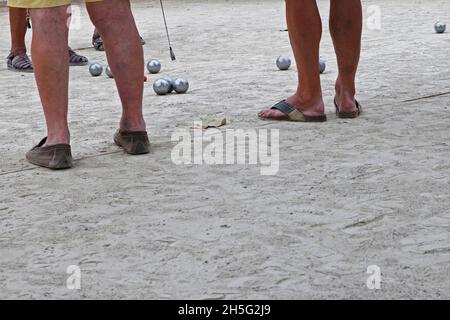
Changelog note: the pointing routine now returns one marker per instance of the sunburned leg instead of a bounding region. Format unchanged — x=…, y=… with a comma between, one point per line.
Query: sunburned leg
x=305, y=32
x=49, y=48
x=346, y=29
x=115, y=23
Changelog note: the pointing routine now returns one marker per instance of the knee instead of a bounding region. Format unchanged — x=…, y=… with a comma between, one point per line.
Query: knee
x=50, y=20
x=111, y=12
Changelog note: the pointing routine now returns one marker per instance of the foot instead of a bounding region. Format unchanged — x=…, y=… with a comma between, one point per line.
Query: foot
x=345, y=98
x=76, y=59
x=97, y=42
x=133, y=142
x=19, y=61
x=55, y=157
x=308, y=108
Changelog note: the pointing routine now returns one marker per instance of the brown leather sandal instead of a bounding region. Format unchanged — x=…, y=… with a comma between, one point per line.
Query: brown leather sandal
x=19, y=61
x=76, y=59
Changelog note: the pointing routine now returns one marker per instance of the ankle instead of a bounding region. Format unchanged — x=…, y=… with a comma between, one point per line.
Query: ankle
x=345, y=88
x=314, y=104
x=16, y=50
x=133, y=124
x=345, y=98
x=58, y=138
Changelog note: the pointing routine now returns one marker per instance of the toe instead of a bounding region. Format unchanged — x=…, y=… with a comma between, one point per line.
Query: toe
x=271, y=114
x=262, y=113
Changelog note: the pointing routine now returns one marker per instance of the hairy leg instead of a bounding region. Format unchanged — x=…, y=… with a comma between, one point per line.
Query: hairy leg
x=346, y=29
x=305, y=32
x=115, y=23
x=49, y=48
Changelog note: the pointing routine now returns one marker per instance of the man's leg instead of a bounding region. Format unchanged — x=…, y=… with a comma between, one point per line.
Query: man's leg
x=49, y=48
x=115, y=23
x=18, y=59
x=305, y=32
x=346, y=28
x=18, y=22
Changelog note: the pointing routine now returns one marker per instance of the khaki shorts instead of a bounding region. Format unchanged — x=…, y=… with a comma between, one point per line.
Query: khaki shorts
x=35, y=4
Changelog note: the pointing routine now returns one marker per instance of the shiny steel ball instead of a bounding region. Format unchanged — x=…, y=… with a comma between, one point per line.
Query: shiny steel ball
x=322, y=66
x=181, y=85
x=283, y=63
x=95, y=69
x=440, y=27
x=109, y=72
x=161, y=87
x=154, y=66
x=171, y=81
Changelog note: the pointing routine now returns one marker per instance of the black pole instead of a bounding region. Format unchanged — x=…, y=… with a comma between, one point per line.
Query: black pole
x=172, y=54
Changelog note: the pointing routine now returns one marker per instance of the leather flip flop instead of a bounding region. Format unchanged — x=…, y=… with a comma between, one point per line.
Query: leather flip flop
x=293, y=114
x=348, y=115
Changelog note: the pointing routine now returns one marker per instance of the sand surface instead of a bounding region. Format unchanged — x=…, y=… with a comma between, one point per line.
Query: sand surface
x=349, y=194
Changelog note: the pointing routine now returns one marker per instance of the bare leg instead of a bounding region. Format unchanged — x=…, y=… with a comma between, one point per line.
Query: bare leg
x=18, y=22
x=346, y=28
x=305, y=32
x=51, y=65
x=115, y=23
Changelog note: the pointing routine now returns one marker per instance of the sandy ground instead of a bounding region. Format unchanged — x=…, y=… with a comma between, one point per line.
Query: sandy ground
x=349, y=194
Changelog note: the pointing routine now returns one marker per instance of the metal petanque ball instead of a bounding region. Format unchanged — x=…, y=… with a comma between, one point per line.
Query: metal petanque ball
x=181, y=85
x=95, y=69
x=161, y=87
x=170, y=80
x=109, y=72
x=283, y=63
x=322, y=66
x=440, y=27
x=154, y=66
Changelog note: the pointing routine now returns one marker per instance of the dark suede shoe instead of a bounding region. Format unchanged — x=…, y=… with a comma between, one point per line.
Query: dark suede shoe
x=133, y=142
x=55, y=157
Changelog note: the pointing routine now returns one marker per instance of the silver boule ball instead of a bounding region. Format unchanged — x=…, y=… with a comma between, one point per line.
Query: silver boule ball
x=322, y=65
x=440, y=27
x=171, y=81
x=95, y=69
x=181, y=85
x=161, y=87
x=154, y=66
x=283, y=63
x=109, y=72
